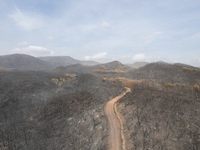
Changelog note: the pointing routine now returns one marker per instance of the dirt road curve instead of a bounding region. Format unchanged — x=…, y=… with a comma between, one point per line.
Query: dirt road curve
x=115, y=142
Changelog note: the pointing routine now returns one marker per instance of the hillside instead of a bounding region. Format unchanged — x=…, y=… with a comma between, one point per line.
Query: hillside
x=162, y=72
x=57, y=116
x=114, y=67
x=161, y=118
x=23, y=62
x=76, y=68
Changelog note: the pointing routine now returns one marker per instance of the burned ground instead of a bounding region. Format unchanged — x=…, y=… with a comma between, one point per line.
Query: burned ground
x=161, y=118
x=43, y=110
x=163, y=72
x=51, y=116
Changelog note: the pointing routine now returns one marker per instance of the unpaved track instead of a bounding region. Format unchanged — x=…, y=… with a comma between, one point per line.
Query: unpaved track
x=115, y=142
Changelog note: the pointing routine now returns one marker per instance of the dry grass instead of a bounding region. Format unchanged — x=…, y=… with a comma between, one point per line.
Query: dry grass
x=4, y=69
x=103, y=66
x=60, y=81
x=123, y=81
x=196, y=88
x=99, y=71
x=71, y=74
x=169, y=85
x=189, y=69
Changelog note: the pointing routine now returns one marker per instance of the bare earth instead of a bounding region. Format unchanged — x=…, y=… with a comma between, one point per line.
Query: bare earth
x=115, y=142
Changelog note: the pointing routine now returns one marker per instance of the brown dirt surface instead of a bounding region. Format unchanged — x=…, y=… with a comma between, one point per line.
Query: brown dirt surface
x=115, y=142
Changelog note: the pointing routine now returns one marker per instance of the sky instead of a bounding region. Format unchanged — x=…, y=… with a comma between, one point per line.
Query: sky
x=103, y=30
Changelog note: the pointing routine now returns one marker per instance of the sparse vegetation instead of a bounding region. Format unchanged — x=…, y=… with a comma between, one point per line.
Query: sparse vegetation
x=169, y=85
x=60, y=81
x=103, y=66
x=71, y=74
x=196, y=88
x=99, y=71
x=190, y=69
x=122, y=81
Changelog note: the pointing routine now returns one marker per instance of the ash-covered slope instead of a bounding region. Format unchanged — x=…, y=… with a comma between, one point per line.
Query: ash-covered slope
x=38, y=113
x=76, y=68
x=163, y=72
x=159, y=117
x=23, y=62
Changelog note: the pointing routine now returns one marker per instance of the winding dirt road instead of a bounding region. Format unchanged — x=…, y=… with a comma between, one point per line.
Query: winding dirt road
x=115, y=137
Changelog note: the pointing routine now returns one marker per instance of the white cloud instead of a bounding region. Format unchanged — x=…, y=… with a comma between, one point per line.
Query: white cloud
x=23, y=43
x=27, y=21
x=96, y=56
x=140, y=57
x=50, y=38
x=33, y=50
x=105, y=24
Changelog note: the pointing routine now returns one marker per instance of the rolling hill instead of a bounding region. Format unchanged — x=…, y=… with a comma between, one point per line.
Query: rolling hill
x=112, y=66
x=107, y=68
x=163, y=72
x=23, y=62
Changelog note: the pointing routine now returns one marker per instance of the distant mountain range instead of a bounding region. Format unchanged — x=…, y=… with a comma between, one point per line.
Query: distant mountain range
x=27, y=62
x=111, y=67
x=57, y=61
x=67, y=63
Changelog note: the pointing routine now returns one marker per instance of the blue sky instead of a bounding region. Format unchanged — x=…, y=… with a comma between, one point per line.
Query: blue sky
x=102, y=30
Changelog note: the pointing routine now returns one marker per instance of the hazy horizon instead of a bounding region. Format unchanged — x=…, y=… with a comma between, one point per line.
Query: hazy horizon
x=102, y=62
x=103, y=31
